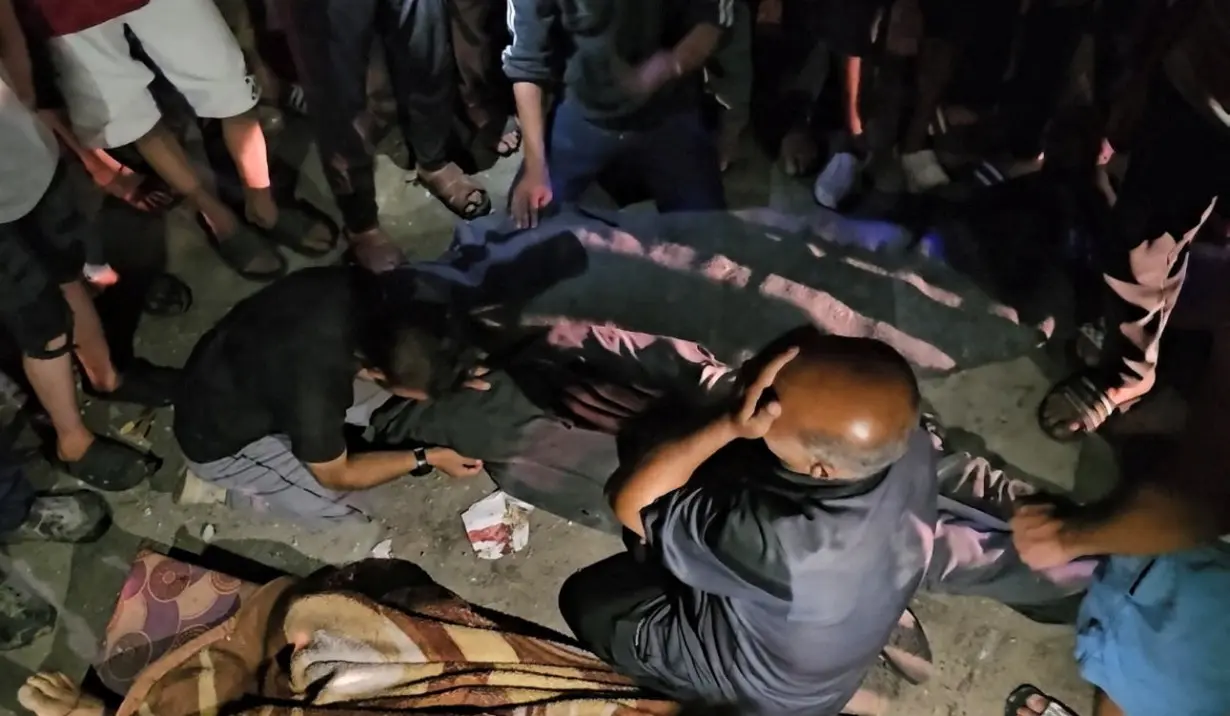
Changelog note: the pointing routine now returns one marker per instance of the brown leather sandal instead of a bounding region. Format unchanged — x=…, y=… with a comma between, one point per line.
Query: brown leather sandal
x=461, y=193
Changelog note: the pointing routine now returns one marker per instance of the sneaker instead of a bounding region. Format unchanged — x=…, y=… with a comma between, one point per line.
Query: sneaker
x=71, y=517
x=24, y=617
x=835, y=182
x=923, y=171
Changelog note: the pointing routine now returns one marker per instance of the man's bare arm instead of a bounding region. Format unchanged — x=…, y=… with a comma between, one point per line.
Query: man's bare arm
x=667, y=468
x=530, y=99
x=366, y=470
x=1187, y=503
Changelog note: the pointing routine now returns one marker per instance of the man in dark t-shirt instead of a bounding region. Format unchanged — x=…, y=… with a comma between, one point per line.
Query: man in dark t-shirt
x=268, y=393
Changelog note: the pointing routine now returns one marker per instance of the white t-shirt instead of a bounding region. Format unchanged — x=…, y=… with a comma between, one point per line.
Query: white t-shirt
x=28, y=155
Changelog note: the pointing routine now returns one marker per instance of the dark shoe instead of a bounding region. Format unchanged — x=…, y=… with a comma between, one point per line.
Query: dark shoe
x=24, y=617
x=73, y=517
x=111, y=466
x=143, y=383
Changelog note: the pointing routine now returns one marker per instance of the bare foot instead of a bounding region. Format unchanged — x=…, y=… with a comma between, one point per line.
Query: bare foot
x=53, y=694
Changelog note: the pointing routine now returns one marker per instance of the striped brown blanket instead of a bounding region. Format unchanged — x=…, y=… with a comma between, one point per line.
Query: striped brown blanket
x=379, y=637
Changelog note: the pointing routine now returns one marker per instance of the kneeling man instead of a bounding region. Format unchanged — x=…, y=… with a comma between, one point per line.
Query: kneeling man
x=269, y=391
x=785, y=539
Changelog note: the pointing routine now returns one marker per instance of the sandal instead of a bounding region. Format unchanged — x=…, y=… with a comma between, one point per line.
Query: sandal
x=464, y=196
x=798, y=153
x=142, y=383
x=297, y=227
x=167, y=296
x=111, y=466
x=908, y=651
x=1020, y=697
x=1087, y=402
x=239, y=249
x=510, y=139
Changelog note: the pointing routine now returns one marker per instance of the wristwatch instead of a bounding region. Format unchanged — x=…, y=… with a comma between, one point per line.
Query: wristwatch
x=421, y=466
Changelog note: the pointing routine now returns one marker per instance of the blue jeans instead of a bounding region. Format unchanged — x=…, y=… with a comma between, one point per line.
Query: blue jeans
x=677, y=159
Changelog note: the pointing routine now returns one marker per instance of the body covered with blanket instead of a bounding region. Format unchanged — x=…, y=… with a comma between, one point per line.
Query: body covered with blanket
x=379, y=637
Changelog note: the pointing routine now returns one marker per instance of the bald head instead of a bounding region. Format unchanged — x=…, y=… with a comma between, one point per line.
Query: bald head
x=848, y=406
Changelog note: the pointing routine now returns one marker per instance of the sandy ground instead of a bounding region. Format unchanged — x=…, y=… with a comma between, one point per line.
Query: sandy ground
x=982, y=649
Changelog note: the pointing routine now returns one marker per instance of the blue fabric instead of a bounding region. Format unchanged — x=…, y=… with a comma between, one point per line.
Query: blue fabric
x=16, y=493
x=1154, y=633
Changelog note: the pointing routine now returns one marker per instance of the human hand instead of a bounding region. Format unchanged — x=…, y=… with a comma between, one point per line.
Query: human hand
x=753, y=420
x=652, y=74
x=452, y=463
x=530, y=193
x=1039, y=537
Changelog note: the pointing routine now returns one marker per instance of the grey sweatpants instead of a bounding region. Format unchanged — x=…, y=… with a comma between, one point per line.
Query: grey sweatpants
x=267, y=477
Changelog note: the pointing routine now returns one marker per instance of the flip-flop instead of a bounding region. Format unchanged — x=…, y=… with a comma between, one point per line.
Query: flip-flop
x=908, y=651
x=1016, y=702
x=295, y=222
x=238, y=250
x=111, y=466
x=454, y=188
x=167, y=296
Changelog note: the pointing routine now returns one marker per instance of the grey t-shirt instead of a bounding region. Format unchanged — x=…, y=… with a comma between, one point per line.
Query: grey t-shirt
x=29, y=152
x=789, y=587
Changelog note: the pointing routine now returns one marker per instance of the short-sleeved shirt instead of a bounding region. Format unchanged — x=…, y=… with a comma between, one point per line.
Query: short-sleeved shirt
x=788, y=587
x=29, y=152
x=282, y=362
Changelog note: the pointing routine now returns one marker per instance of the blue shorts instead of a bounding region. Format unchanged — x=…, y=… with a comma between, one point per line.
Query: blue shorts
x=1154, y=633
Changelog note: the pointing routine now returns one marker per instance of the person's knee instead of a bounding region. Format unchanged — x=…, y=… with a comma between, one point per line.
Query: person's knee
x=43, y=327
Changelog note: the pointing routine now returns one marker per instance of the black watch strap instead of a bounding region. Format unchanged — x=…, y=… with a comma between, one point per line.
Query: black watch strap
x=422, y=467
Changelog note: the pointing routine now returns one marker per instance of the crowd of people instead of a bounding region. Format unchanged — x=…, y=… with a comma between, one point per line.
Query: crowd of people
x=773, y=546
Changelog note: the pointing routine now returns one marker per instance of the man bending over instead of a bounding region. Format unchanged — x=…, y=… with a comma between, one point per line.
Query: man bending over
x=790, y=536
x=268, y=393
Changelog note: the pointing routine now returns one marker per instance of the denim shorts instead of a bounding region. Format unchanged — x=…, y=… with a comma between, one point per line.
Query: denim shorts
x=1154, y=633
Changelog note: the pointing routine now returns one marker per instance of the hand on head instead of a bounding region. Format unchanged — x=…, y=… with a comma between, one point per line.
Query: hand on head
x=843, y=408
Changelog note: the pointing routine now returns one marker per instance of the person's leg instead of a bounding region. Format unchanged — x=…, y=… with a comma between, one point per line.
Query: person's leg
x=603, y=603
x=422, y=72
x=1051, y=32
x=485, y=91
x=944, y=22
x=191, y=44
x=266, y=476
x=577, y=152
x=331, y=41
x=678, y=161
x=729, y=77
x=1175, y=173
x=110, y=106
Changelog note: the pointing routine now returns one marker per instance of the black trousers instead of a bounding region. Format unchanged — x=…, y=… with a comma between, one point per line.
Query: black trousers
x=331, y=41
x=603, y=605
x=1177, y=170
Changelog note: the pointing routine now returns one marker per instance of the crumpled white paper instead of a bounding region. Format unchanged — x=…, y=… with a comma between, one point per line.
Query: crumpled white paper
x=497, y=525
x=383, y=550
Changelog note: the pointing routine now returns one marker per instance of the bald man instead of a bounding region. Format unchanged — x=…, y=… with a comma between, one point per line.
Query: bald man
x=786, y=538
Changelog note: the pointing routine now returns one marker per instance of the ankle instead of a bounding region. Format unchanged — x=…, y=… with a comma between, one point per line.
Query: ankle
x=72, y=447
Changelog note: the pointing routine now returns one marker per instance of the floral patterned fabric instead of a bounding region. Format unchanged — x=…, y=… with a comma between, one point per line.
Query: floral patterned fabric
x=164, y=603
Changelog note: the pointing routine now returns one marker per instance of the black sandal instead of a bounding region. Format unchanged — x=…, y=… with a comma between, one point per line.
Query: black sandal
x=1087, y=397
x=111, y=466
x=295, y=223
x=239, y=249
x=167, y=296
x=1018, y=698
x=142, y=383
